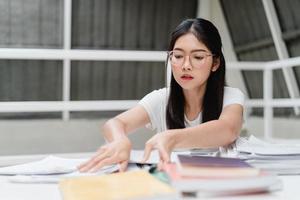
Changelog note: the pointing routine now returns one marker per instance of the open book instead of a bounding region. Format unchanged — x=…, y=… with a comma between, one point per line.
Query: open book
x=48, y=165
x=52, y=169
x=49, y=170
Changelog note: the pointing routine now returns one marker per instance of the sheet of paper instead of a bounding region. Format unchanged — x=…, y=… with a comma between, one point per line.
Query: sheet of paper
x=51, y=165
x=280, y=159
x=50, y=170
x=48, y=165
x=256, y=146
x=55, y=178
x=136, y=156
x=279, y=167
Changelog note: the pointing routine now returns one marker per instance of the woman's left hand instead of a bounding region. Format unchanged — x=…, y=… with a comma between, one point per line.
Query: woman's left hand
x=164, y=142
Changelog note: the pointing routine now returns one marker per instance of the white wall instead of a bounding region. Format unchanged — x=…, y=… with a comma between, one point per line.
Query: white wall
x=286, y=128
x=23, y=137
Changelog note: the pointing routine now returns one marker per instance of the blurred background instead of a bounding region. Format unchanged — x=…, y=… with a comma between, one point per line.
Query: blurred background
x=66, y=66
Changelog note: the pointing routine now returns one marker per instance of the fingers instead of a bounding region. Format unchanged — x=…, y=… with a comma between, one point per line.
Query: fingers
x=164, y=158
x=147, y=151
x=99, y=151
x=123, y=166
x=104, y=162
x=107, y=161
x=164, y=155
x=85, y=167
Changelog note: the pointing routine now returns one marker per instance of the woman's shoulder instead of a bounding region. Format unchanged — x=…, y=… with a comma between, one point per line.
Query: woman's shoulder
x=162, y=92
x=233, y=95
x=156, y=95
x=232, y=90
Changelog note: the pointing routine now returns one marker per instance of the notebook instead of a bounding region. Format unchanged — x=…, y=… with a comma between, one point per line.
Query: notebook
x=207, y=166
x=128, y=185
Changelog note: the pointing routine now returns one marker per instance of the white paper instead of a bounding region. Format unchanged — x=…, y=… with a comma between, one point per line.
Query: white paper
x=281, y=159
x=50, y=165
x=256, y=146
x=136, y=156
x=50, y=170
x=55, y=178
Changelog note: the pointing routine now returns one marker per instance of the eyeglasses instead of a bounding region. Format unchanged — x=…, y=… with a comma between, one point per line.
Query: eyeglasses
x=196, y=58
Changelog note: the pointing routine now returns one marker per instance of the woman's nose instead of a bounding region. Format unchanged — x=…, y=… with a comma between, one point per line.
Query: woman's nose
x=187, y=64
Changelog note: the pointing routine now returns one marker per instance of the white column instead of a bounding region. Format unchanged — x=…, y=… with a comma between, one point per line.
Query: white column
x=204, y=9
x=281, y=49
x=233, y=77
x=268, y=109
x=67, y=62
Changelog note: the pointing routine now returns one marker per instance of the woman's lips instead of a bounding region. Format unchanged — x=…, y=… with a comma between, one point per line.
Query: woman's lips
x=186, y=77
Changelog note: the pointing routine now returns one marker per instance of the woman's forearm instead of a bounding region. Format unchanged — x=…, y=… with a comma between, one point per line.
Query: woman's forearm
x=211, y=134
x=113, y=129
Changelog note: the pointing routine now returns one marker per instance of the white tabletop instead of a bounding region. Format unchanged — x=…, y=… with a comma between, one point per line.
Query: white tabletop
x=30, y=191
x=17, y=191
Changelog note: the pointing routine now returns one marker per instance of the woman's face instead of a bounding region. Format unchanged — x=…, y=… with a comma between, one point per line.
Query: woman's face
x=191, y=62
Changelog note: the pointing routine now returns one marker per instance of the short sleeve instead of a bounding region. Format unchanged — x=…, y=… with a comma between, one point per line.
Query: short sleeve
x=155, y=105
x=233, y=96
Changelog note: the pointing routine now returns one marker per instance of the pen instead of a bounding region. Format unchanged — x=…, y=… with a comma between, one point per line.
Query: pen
x=152, y=169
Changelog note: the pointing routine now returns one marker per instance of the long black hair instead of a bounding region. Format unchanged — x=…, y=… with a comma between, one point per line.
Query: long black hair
x=208, y=34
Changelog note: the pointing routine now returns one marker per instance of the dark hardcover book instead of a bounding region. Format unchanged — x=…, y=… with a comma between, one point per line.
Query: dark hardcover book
x=205, y=166
x=206, y=161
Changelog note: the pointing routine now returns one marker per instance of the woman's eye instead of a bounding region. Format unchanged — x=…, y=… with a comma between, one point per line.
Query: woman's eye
x=178, y=56
x=198, y=57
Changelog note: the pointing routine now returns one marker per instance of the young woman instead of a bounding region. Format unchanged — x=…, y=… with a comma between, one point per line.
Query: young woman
x=197, y=111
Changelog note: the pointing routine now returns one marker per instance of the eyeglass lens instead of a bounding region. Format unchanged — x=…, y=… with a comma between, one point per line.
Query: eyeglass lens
x=197, y=58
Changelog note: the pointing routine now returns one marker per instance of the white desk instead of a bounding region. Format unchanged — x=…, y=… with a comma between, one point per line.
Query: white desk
x=17, y=191
x=14, y=191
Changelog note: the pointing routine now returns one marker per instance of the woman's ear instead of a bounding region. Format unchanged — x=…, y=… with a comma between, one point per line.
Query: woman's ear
x=216, y=64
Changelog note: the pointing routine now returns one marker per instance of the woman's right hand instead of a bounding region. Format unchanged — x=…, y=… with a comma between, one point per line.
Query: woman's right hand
x=115, y=152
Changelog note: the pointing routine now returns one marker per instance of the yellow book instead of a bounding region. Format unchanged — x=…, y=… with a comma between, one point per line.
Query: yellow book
x=128, y=185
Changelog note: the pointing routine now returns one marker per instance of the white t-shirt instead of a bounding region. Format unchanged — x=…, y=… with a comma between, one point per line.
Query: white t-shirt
x=155, y=104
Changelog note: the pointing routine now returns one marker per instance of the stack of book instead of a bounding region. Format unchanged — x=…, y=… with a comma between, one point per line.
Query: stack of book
x=214, y=176
x=278, y=158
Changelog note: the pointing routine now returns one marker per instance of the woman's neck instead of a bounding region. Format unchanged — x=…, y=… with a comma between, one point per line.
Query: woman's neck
x=193, y=102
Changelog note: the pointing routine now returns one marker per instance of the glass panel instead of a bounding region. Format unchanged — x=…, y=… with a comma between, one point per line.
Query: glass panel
x=27, y=115
x=31, y=23
x=127, y=24
x=94, y=114
x=30, y=80
x=115, y=80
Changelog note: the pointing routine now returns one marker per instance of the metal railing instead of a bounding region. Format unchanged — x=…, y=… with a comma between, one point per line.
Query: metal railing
x=66, y=105
x=268, y=102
